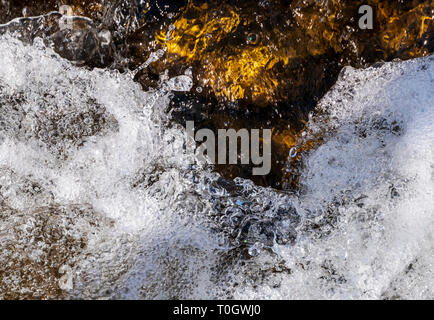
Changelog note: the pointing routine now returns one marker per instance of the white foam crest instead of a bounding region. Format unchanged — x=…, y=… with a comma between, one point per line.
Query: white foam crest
x=109, y=169
x=370, y=186
x=366, y=202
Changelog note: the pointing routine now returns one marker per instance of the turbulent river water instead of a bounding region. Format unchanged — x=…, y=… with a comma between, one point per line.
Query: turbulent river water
x=99, y=199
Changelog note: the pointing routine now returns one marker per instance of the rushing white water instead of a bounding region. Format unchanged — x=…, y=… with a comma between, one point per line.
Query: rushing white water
x=372, y=181
x=92, y=154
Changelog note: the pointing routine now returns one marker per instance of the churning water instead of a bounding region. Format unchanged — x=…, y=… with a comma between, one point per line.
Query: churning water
x=99, y=199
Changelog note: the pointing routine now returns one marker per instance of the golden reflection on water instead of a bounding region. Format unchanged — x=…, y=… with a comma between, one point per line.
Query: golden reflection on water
x=211, y=36
x=214, y=38
x=285, y=55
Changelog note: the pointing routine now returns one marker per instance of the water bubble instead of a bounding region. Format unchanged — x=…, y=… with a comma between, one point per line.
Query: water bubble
x=252, y=38
x=39, y=43
x=65, y=21
x=180, y=83
x=105, y=37
x=66, y=281
x=168, y=34
x=188, y=72
x=256, y=249
x=293, y=152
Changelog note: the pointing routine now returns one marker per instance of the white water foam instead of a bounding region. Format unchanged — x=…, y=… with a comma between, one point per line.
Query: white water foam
x=366, y=206
x=372, y=183
x=128, y=167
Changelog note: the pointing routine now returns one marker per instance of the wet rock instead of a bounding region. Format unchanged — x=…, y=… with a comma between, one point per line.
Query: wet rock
x=78, y=40
x=39, y=248
x=57, y=127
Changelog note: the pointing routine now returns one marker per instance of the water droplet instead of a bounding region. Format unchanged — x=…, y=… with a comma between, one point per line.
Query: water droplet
x=105, y=37
x=256, y=249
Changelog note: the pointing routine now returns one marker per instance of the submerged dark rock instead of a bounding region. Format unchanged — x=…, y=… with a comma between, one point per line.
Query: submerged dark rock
x=40, y=247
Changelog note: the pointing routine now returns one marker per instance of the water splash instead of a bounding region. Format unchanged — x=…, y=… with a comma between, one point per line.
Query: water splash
x=104, y=172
